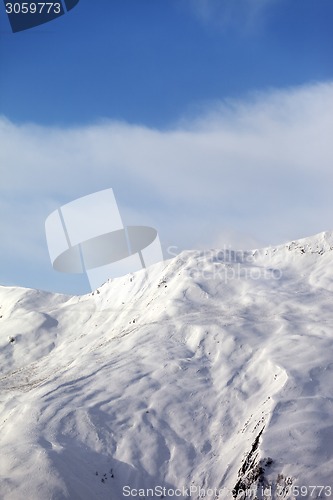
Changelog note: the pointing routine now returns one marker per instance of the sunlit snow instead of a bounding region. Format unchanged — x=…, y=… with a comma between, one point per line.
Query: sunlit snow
x=210, y=375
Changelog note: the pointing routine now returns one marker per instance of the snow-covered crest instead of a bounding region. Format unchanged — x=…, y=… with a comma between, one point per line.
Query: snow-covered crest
x=213, y=377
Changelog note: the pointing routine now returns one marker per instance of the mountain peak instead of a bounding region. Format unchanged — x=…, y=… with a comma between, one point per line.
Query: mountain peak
x=209, y=374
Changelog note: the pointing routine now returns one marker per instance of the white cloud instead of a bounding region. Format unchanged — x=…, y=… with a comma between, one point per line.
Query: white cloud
x=246, y=16
x=253, y=170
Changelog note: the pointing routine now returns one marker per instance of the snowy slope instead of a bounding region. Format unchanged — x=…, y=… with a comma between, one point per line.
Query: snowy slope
x=215, y=373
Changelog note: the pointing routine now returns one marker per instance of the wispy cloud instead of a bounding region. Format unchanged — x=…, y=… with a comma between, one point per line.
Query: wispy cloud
x=242, y=15
x=248, y=172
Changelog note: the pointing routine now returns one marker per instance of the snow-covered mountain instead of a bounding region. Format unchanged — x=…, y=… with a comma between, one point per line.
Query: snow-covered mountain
x=209, y=377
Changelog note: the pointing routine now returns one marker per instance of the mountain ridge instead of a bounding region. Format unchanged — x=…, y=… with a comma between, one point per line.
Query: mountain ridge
x=201, y=372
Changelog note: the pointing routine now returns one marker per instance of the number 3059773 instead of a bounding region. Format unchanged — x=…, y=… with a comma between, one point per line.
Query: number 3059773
x=33, y=8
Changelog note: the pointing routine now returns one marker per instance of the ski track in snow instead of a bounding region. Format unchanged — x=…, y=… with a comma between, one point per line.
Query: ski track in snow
x=192, y=376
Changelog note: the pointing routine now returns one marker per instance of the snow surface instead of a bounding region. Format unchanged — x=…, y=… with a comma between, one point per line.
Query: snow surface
x=212, y=371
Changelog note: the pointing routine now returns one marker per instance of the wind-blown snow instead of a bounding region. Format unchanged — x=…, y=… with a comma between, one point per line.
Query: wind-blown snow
x=215, y=372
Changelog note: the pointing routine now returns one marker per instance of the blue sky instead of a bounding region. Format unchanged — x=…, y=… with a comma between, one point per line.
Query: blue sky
x=149, y=61
x=209, y=119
